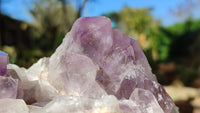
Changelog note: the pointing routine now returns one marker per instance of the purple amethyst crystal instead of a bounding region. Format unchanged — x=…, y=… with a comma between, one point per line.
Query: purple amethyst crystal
x=141, y=101
x=129, y=85
x=10, y=86
x=3, y=63
x=118, y=65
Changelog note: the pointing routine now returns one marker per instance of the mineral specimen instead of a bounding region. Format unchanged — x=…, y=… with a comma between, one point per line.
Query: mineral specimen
x=94, y=70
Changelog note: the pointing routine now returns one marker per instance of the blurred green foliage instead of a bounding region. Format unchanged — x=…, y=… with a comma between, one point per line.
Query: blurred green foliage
x=186, y=74
x=53, y=19
x=131, y=20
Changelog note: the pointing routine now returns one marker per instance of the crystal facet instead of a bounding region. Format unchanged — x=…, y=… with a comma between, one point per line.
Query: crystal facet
x=13, y=106
x=142, y=101
x=8, y=87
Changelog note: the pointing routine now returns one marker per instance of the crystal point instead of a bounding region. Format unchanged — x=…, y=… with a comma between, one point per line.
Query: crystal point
x=3, y=62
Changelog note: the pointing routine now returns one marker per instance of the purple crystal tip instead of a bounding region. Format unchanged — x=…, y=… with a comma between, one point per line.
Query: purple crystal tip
x=3, y=53
x=3, y=63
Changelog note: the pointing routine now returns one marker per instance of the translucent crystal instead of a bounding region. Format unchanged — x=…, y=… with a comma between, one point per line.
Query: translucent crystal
x=74, y=104
x=129, y=84
x=146, y=101
x=74, y=74
x=3, y=63
x=141, y=101
x=8, y=87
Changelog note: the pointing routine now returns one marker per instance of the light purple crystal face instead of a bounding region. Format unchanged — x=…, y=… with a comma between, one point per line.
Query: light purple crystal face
x=129, y=85
x=3, y=63
x=141, y=101
x=93, y=53
x=8, y=87
x=75, y=76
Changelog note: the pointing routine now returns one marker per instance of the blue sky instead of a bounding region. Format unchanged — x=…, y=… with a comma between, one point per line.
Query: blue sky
x=18, y=8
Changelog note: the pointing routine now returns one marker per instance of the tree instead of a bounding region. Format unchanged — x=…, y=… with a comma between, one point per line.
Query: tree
x=51, y=19
x=140, y=24
x=185, y=8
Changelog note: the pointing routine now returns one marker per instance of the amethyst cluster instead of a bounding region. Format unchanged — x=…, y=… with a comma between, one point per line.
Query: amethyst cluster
x=96, y=69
